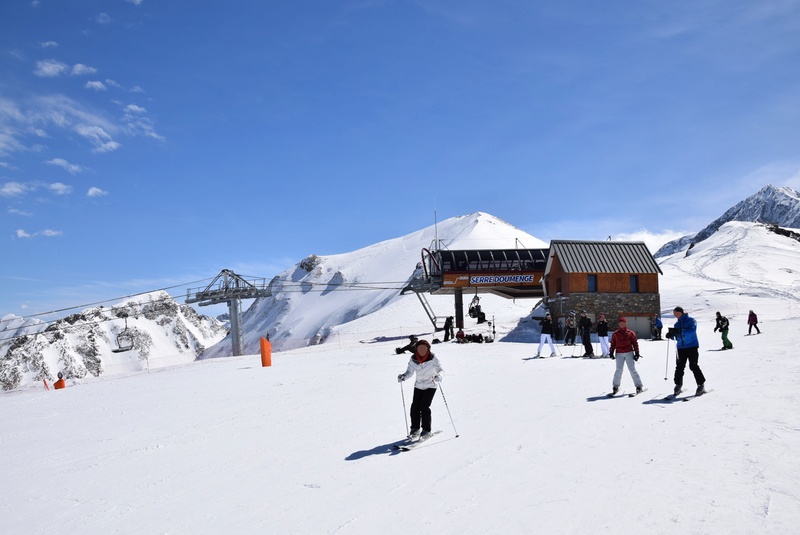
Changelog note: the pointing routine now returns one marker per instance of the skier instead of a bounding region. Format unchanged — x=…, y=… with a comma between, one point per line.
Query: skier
x=585, y=325
x=411, y=346
x=569, y=339
x=448, y=328
x=60, y=383
x=547, y=335
x=752, y=321
x=602, y=335
x=656, y=327
x=722, y=326
x=685, y=334
x=429, y=372
x=624, y=342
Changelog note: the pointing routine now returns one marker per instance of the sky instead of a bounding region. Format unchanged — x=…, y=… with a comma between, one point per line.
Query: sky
x=526, y=445
x=148, y=145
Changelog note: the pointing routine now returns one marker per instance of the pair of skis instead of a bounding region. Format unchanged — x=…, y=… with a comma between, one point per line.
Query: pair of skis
x=411, y=443
x=633, y=395
x=674, y=397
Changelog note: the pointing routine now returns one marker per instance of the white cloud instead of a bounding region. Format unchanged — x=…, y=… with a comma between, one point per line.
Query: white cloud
x=138, y=123
x=112, y=83
x=16, y=211
x=103, y=18
x=654, y=241
x=135, y=2
x=137, y=89
x=96, y=85
x=79, y=69
x=98, y=136
x=50, y=233
x=96, y=192
x=59, y=188
x=64, y=164
x=49, y=44
x=13, y=189
x=50, y=68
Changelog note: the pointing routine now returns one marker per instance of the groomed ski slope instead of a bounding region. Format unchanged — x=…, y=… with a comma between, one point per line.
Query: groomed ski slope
x=225, y=446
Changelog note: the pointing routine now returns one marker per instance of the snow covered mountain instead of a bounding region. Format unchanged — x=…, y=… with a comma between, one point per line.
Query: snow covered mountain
x=160, y=332
x=778, y=206
x=320, y=293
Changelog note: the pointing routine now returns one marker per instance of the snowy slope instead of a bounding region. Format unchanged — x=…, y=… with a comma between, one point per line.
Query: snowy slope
x=226, y=446
x=310, y=300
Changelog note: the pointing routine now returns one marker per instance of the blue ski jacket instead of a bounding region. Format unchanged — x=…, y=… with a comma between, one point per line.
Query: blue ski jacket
x=687, y=332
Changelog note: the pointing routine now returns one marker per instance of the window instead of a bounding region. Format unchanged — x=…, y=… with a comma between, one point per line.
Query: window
x=592, y=283
x=634, y=284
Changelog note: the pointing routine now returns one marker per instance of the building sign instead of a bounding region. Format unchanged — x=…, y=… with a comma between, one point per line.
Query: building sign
x=492, y=279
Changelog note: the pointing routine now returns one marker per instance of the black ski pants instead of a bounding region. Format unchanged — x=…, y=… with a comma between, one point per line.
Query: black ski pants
x=586, y=338
x=421, y=408
x=688, y=354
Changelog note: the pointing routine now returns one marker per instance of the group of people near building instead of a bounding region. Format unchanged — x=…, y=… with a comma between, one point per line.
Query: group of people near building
x=623, y=346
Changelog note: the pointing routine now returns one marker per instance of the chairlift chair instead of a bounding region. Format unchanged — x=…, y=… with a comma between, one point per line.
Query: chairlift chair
x=124, y=340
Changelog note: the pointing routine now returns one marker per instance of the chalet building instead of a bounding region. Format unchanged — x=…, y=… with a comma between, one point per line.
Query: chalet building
x=603, y=277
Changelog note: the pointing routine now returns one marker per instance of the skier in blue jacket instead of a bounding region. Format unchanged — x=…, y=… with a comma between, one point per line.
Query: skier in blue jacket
x=685, y=334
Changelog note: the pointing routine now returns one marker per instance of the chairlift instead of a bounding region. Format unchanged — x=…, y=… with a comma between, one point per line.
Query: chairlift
x=124, y=340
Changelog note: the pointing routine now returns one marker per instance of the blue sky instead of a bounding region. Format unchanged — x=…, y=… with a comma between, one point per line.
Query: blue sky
x=146, y=144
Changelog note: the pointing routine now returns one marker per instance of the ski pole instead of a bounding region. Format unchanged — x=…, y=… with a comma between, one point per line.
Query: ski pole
x=448, y=410
x=402, y=395
x=666, y=364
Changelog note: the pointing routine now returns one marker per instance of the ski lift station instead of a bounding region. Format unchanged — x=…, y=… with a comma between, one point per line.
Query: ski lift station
x=601, y=277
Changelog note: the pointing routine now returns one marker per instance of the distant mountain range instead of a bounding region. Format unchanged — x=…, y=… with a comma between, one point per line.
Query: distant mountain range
x=322, y=296
x=771, y=205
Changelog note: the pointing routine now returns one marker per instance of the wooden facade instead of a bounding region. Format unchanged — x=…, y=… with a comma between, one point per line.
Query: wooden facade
x=611, y=278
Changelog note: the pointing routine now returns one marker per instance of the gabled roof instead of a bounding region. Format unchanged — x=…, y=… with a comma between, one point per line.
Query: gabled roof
x=602, y=257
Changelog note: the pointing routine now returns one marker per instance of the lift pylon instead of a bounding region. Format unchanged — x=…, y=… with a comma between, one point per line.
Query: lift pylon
x=231, y=288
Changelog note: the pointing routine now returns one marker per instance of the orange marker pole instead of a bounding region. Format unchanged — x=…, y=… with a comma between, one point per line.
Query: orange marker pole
x=45, y=384
x=266, y=353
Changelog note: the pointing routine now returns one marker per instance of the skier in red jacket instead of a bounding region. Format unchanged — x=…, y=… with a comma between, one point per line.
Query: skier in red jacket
x=624, y=342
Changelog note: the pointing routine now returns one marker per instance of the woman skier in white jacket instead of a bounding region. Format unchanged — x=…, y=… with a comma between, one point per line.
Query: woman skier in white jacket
x=429, y=372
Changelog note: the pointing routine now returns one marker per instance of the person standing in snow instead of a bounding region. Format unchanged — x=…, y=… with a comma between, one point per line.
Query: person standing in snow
x=546, y=336
x=429, y=373
x=585, y=325
x=656, y=327
x=602, y=335
x=723, y=326
x=752, y=321
x=448, y=329
x=685, y=334
x=569, y=338
x=624, y=342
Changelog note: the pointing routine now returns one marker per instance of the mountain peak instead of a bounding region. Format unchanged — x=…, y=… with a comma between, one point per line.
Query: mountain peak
x=775, y=205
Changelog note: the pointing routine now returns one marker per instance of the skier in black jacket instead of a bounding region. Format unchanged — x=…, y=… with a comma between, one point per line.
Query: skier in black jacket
x=602, y=335
x=547, y=335
x=723, y=326
x=585, y=325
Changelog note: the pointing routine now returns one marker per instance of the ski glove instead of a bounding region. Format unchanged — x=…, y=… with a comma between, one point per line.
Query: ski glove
x=611, y=355
x=401, y=378
x=437, y=378
x=637, y=356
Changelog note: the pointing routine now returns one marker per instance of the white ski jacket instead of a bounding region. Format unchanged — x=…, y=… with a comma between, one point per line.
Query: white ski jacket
x=424, y=372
